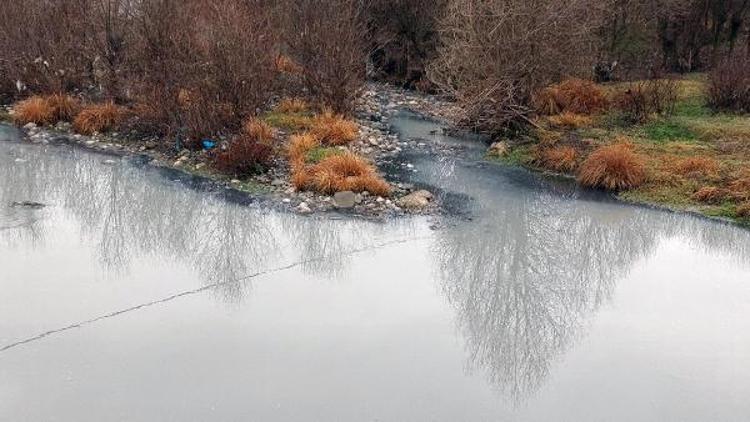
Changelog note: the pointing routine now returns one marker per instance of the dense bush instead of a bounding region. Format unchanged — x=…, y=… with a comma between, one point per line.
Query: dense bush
x=729, y=85
x=404, y=39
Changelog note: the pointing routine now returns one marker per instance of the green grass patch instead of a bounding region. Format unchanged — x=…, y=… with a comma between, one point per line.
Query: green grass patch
x=693, y=108
x=316, y=155
x=725, y=210
x=288, y=121
x=519, y=156
x=667, y=131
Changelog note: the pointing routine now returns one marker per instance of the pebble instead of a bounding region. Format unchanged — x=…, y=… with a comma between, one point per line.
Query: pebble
x=303, y=208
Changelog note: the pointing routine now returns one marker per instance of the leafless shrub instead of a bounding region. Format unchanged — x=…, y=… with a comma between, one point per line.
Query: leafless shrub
x=327, y=40
x=729, y=85
x=211, y=77
x=642, y=99
x=496, y=53
x=404, y=39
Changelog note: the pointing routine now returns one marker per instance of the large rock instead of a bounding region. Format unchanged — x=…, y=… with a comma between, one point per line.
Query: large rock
x=416, y=200
x=498, y=149
x=345, y=199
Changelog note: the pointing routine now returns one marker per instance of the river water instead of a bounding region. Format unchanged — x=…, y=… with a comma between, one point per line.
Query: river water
x=139, y=294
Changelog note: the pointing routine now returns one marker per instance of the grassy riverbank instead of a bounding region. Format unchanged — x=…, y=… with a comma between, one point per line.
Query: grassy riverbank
x=687, y=158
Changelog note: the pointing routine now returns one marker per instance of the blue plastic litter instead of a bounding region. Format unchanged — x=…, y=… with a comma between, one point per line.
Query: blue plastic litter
x=208, y=144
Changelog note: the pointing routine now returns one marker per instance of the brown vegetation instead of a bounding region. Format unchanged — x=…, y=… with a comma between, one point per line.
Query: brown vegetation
x=44, y=110
x=334, y=129
x=710, y=195
x=98, y=118
x=696, y=166
x=613, y=167
x=571, y=96
x=496, y=54
x=259, y=130
x=346, y=172
x=292, y=105
x=334, y=172
x=245, y=155
x=568, y=120
x=34, y=110
x=642, y=99
x=299, y=146
x=729, y=85
x=559, y=158
x=326, y=39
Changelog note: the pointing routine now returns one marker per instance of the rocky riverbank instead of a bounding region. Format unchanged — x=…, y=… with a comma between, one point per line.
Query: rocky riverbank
x=377, y=104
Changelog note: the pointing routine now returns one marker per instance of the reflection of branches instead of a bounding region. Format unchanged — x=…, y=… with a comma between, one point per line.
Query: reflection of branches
x=523, y=280
x=129, y=213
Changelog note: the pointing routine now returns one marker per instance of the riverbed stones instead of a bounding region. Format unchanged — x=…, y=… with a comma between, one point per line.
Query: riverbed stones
x=346, y=199
x=303, y=208
x=416, y=200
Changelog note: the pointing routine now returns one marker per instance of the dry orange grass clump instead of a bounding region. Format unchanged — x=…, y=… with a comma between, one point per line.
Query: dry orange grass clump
x=333, y=174
x=572, y=95
x=560, y=159
x=259, y=130
x=613, y=167
x=292, y=105
x=696, y=166
x=568, y=120
x=334, y=129
x=346, y=172
x=46, y=110
x=98, y=118
x=299, y=146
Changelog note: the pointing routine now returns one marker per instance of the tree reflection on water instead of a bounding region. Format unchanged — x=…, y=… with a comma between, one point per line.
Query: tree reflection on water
x=524, y=278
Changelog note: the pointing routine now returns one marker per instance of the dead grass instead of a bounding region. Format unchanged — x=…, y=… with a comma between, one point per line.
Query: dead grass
x=33, y=110
x=568, y=120
x=98, y=118
x=739, y=189
x=46, y=110
x=710, y=195
x=334, y=172
x=347, y=172
x=613, y=167
x=299, y=146
x=334, y=129
x=65, y=107
x=560, y=158
x=259, y=130
x=696, y=167
x=292, y=105
x=572, y=95
x=688, y=158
